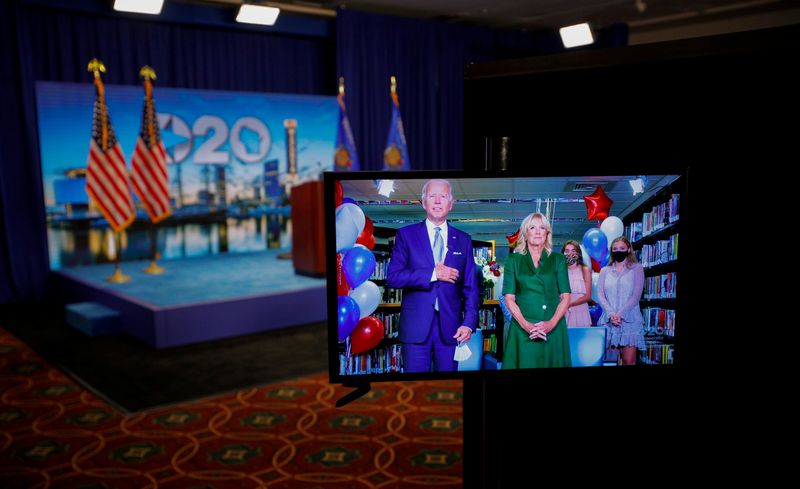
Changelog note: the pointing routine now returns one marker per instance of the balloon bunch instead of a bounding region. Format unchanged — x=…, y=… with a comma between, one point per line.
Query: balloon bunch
x=355, y=263
x=596, y=242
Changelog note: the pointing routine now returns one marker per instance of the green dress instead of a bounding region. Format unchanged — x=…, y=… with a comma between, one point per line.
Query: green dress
x=537, y=293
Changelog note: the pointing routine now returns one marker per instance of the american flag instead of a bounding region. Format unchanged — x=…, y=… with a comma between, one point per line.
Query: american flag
x=106, y=177
x=149, y=176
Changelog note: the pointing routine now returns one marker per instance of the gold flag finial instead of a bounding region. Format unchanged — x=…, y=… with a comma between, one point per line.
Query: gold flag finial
x=394, y=84
x=147, y=73
x=341, y=85
x=96, y=66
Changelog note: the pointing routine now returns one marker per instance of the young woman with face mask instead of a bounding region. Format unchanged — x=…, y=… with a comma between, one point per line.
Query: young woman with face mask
x=619, y=288
x=580, y=282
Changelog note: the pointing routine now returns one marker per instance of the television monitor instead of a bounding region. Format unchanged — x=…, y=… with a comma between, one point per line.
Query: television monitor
x=395, y=315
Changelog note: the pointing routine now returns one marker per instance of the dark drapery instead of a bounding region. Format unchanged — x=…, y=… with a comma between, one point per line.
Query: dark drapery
x=41, y=43
x=23, y=241
x=428, y=58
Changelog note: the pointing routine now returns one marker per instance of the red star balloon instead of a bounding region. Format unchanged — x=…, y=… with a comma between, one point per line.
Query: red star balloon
x=597, y=204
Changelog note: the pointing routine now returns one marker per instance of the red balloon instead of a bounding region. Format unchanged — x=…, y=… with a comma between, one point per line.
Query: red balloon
x=369, y=226
x=338, y=193
x=342, y=287
x=597, y=204
x=368, y=241
x=367, y=335
x=366, y=238
x=596, y=266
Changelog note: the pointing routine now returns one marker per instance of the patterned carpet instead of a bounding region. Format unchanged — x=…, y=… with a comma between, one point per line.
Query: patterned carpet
x=53, y=433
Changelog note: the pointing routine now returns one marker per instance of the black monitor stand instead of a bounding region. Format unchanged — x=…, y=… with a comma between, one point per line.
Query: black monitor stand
x=361, y=389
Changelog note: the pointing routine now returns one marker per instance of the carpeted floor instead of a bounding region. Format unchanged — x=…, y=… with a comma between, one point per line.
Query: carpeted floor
x=54, y=433
x=133, y=376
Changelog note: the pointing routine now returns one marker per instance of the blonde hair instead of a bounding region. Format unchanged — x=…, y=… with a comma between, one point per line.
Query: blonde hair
x=522, y=242
x=630, y=259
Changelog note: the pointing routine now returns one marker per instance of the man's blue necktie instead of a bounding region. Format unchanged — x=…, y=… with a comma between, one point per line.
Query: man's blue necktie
x=438, y=251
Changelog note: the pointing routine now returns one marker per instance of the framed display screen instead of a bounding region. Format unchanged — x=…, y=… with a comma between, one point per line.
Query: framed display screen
x=448, y=274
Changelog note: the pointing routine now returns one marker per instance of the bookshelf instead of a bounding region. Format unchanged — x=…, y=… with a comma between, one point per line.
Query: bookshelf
x=386, y=357
x=654, y=231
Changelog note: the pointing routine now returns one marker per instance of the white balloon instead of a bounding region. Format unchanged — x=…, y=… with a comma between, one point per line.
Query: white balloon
x=367, y=296
x=595, y=297
x=587, y=260
x=353, y=213
x=613, y=228
x=346, y=232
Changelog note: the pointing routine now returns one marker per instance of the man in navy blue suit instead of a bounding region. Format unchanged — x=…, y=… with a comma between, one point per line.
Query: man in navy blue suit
x=433, y=263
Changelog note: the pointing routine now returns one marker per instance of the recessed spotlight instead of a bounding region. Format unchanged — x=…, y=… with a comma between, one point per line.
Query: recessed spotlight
x=257, y=14
x=576, y=35
x=139, y=6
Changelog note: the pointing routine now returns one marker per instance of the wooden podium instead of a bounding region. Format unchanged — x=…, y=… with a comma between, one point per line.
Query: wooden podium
x=308, y=229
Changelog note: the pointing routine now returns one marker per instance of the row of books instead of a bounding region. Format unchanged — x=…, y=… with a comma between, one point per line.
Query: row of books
x=390, y=295
x=661, y=215
x=390, y=321
x=381, y=268
x=377, y=361
x=633, y=231
x=663, y=251
x=487, y=318
x=657, y=355
x=659, y=321
x=661, y=286
x=490, y=343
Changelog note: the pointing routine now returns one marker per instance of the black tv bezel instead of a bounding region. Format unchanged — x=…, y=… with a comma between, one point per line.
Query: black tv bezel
x=681, y=359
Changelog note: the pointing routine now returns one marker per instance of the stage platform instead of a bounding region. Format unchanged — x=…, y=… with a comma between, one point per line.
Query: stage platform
x=200, y=299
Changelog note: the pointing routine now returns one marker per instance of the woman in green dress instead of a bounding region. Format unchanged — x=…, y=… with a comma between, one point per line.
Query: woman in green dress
x=536, y=284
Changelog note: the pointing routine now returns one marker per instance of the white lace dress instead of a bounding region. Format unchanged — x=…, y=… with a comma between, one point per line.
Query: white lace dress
x=620, y=293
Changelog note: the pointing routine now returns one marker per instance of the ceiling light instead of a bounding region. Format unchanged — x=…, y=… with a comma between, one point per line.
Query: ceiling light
x=139, y=6
x=576, y=35
x=385, y=187
x=638, y=184
x=257, y=14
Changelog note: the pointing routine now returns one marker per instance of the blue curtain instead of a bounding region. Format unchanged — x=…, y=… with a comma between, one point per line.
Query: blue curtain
x=428, y=58
x=23, y=241
x=41, y=43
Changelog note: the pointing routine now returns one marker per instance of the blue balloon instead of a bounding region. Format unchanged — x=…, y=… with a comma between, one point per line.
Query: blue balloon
x=596, y=243
x=348, y=316
x=603, y=261
x=358, y=265
x=595, y=312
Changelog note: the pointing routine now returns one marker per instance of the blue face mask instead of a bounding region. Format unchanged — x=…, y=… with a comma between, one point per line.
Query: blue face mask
x=619, y=256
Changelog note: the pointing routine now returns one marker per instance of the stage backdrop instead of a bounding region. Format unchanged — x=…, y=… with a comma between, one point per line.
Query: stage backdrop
x=228, y=165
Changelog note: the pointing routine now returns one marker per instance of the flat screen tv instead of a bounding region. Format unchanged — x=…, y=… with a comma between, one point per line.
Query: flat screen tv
x=445, y=274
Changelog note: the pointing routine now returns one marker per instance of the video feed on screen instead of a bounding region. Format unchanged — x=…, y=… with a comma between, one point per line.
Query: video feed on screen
x=469, y=274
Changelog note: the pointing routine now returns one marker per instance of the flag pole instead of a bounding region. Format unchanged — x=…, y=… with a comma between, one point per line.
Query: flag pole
x=118, y=277
x=96, y=67
x=148, y=74
x=154, y=268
